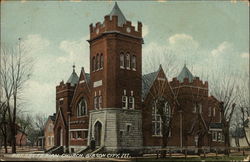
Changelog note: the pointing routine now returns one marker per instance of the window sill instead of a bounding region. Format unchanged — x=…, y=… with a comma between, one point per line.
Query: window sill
x=156, y=135
x=82, y=116
x=122, y=67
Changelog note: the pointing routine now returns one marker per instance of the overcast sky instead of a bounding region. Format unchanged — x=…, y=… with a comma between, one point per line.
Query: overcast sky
x=202, y=34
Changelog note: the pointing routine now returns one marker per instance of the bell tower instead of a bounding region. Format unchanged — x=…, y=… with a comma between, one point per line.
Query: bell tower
x=115, y=72
x=115, y=59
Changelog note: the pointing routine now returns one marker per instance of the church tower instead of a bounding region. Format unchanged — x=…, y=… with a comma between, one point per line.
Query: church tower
x=115, y=72
x=115, y=59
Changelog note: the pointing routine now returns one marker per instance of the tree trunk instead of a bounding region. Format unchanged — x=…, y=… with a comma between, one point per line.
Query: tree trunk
x=164, y=143
x=246, y=136
x=13, y=138
x=13, y=130
x=227, y=140
x=20, y=144
x=5, y=144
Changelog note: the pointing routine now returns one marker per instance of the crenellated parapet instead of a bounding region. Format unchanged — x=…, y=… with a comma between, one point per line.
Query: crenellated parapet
x=196, y=82
x=111, y=24
x=64, y=89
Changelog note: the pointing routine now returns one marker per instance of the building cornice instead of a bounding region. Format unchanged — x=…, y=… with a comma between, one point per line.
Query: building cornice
x=115, y=32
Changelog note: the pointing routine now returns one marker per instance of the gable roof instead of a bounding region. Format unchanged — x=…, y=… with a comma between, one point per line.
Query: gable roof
x=117, y=12
x=147, y=82
x=53, y=117
x=185, y=73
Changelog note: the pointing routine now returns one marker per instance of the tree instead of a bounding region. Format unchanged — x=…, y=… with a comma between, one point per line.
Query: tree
x=16, y=68
x=224, y=87
x=162, y=95
x=24, y=123
x=243, y=94
x=3, y=125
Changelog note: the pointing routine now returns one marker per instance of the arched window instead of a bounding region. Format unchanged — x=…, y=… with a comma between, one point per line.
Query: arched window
x=157, y=122
x=101, y=61
x=93, y=63
x=97, y=62
x=82, y=108
x=122, y=64
x=167, y=110
x=133, y=63
x=209, y=111
x=214, y=112
x=128, y=61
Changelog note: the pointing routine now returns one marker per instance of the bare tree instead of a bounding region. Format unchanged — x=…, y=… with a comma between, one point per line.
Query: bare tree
x=164, y=102
x=243, y=94
x=40, y=121
x=24, y=122
x=223, y=87
x=16, y=67
x=167, y=60
x=3, y=124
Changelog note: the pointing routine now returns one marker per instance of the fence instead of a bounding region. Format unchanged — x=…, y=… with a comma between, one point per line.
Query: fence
x=202, y=151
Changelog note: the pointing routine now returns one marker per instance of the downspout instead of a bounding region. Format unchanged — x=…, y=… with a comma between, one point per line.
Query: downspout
x=69, y=134
x=181, y=144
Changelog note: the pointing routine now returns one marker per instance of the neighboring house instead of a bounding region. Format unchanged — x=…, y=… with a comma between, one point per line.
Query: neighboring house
x=238, y=138
x=21, y=139
x=113, y=104
x=49, y=132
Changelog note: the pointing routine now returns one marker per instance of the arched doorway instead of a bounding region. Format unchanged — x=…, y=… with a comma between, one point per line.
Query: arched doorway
x=98, y=133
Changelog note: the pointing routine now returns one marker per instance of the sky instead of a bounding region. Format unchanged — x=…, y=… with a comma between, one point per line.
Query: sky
x=208, y=36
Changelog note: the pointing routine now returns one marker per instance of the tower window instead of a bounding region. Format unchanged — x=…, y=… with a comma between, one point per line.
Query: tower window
x=82, y=108
x=124, y=102
x=122, y=63
x=214, y=111
x=93, y=63
x=97, y=62
x=133, y=63
x=128, y=61
x=100, y=102
x=101, y=61
x=96, y=102
x=131, y=103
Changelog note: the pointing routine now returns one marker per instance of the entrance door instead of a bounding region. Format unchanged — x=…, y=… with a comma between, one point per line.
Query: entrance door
x=98, y=133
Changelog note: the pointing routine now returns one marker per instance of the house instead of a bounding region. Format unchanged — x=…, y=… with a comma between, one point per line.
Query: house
x=49, y=132
x=21, y=138
x=116, y=105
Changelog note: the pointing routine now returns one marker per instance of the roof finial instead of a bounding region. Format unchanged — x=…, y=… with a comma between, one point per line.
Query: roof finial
x=73, y=67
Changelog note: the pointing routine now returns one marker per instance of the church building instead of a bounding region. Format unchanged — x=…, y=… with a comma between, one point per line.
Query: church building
x=115, y=105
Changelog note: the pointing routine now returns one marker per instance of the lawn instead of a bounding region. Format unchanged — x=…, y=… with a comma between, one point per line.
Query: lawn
x=219, y=158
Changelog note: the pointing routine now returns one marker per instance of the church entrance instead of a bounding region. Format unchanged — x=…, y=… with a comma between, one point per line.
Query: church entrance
x=60, y=137
x=98, y=133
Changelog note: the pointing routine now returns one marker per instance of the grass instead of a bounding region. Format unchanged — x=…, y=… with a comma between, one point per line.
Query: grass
x=219, y=158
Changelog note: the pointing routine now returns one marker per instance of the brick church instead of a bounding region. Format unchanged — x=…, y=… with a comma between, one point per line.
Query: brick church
x=115, y=105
